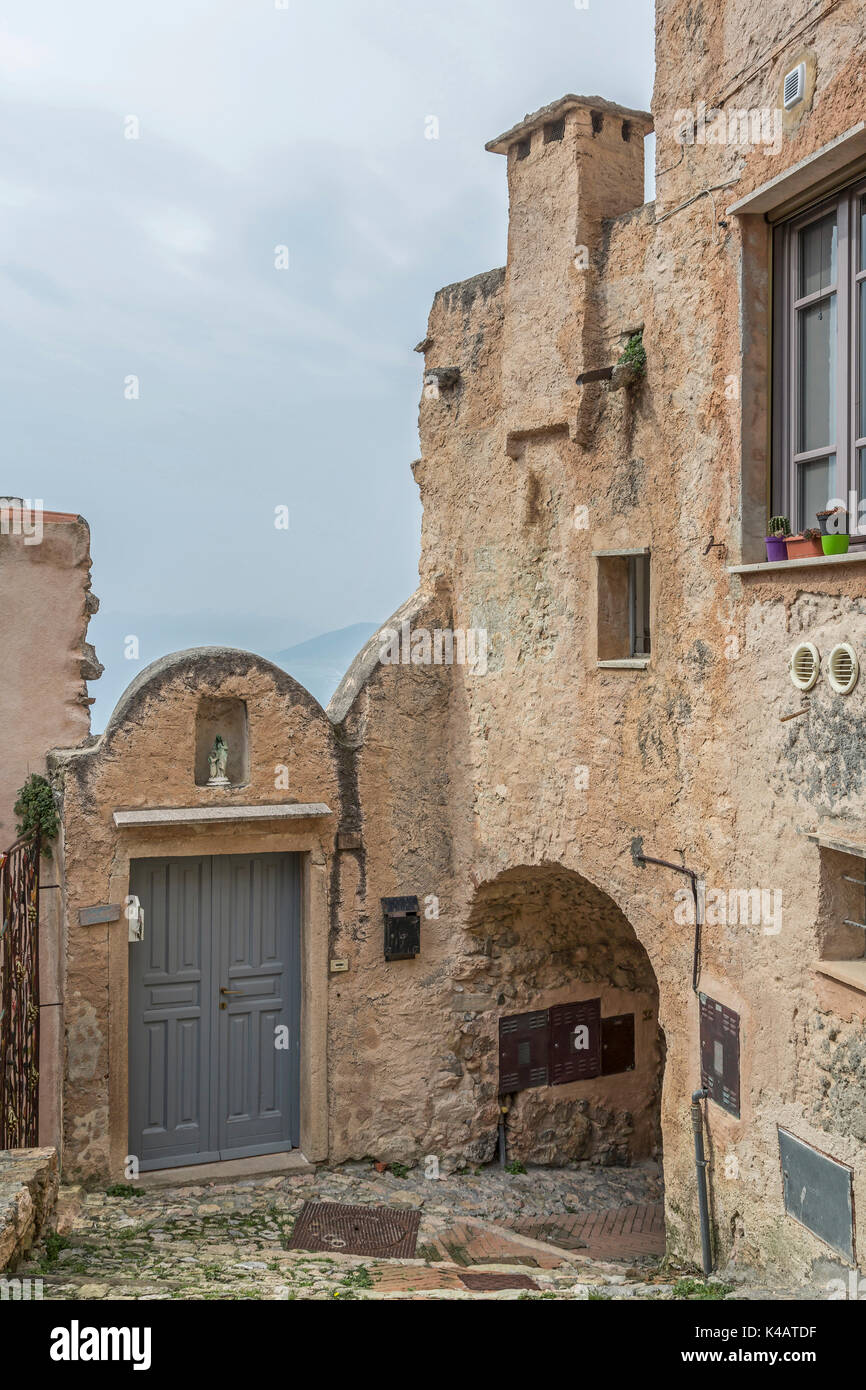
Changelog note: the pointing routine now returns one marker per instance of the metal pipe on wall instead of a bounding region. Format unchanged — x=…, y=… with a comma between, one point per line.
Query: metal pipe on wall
x=701, y=1173
x=697, y=1096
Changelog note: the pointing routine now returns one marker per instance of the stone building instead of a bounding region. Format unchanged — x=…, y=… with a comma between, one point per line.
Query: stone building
x=557, y=836
x=47, y=662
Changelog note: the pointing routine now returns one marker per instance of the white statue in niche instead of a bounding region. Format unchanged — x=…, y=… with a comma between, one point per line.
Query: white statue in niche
x=217, y=759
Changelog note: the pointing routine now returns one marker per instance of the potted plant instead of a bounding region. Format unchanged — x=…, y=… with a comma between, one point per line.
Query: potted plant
x=805, y=546
x=780, y=528
x=834, y=530
x=833, y=521
x=835, y=545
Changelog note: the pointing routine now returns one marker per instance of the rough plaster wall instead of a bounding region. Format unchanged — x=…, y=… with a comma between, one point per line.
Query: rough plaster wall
x=389, y=1021
x=46, y=607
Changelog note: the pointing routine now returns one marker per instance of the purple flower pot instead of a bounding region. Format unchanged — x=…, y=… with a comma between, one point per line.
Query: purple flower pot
x=776, y=548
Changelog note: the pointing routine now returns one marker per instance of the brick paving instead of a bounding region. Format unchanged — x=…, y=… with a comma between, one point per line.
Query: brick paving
x=467, y=1243
x=621, y=1233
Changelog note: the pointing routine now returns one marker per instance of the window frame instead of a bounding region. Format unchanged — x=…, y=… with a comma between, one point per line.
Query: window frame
x=848, y=203
x=639, y=632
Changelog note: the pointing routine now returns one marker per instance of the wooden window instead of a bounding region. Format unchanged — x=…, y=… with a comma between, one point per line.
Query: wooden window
x=819, y=367
x=720, y=1054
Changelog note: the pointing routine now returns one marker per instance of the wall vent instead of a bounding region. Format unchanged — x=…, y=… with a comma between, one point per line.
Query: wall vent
x=794, y=88
x=805, y=664
x=843, y=668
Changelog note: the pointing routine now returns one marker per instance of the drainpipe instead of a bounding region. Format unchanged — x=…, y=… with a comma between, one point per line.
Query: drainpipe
x=698, y=1096
x=503, y=1111
x=701, y=1173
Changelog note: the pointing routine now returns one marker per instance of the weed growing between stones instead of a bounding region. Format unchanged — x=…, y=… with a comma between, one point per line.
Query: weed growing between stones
x=697, y=1289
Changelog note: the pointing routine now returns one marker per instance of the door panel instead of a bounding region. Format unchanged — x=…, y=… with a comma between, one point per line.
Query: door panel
x=205, y=1081
x=260, y=898
x=170, y=1023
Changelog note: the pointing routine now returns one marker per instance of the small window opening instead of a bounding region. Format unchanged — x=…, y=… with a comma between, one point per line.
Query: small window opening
x=625, y=131
x=623, y=606
x=597, y=122
x=521, y=148
x=554, y=130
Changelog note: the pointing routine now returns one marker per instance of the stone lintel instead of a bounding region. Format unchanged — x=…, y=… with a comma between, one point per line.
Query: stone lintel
x=802, y=177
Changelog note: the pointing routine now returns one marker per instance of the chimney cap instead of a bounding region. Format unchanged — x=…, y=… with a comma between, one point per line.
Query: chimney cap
x=555, y=109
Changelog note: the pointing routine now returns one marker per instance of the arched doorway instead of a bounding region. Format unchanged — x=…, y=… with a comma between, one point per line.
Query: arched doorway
x=578, y=1051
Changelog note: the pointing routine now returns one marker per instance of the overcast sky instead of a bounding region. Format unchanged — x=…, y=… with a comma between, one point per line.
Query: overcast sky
x=154, y=257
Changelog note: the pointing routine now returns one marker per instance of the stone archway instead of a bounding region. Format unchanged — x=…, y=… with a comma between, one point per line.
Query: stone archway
x=546, y=937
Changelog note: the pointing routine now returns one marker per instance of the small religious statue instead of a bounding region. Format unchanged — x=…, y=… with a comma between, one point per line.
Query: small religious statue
x=217, y=759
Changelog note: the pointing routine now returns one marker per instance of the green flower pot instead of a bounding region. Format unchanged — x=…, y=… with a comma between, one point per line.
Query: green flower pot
x=834, y=545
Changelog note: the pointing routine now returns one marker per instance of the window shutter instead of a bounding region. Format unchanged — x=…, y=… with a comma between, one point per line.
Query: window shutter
x=569, y=1059
x=523, y=1048
x=617, y=1044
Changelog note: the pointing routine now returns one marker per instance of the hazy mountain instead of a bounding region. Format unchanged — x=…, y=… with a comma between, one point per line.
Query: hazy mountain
x=321, y=662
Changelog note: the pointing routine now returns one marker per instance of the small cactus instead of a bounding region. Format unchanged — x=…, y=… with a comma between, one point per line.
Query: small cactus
x=780, y=527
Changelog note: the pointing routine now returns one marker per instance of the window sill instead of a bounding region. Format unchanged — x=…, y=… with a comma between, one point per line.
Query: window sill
x=829, y=840
x=192, y=815
x=853, y=557
x=626, y=663
x=847, y=972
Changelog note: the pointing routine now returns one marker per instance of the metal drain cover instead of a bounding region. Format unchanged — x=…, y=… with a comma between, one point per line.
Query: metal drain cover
x=477, y=1280
x=387, y=1232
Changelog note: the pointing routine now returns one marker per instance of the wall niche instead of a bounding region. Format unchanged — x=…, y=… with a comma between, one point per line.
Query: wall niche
x=227, y=717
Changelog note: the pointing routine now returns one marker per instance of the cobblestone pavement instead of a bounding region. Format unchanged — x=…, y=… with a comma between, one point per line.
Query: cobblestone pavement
x=229, y=1240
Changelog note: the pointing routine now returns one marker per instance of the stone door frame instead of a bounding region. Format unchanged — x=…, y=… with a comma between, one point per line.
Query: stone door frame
x=144, y=843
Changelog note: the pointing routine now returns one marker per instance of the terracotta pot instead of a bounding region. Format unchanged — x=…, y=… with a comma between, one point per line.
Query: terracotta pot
x=799, y=548
x=776, y=548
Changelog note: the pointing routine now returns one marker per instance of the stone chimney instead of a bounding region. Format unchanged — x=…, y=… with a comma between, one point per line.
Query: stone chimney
x=570, y=165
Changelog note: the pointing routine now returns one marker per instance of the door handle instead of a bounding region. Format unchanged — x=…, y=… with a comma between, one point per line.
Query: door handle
x=223, y=990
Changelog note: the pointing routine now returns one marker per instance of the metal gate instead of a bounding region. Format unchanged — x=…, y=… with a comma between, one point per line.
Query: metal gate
x=19, y=994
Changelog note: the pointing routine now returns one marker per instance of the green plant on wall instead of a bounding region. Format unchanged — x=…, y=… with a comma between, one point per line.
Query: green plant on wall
x=34, y=807
x=634, y=354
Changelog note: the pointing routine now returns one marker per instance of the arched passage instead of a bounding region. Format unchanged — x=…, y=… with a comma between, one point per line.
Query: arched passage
x=566, y=964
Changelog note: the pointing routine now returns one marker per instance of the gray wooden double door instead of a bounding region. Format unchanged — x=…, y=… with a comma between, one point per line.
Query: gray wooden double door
x=214, y=1009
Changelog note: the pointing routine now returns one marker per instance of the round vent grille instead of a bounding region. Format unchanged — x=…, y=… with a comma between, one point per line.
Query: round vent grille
x=805, y=663
x=843, y=668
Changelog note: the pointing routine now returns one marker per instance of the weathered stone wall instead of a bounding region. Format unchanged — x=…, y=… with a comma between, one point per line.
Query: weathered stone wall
x=29, y=1179
x=687, y=759
x=44, y=614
